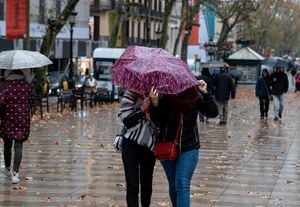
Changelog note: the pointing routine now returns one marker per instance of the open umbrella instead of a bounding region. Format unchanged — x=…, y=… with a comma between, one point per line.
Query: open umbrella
x=140, y=68
x=276, y=62
x=21, y=59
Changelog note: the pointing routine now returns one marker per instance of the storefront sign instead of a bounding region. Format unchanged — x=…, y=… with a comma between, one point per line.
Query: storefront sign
x=16, y=19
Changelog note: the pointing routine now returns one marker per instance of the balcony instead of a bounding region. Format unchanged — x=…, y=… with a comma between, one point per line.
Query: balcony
x=101, y=5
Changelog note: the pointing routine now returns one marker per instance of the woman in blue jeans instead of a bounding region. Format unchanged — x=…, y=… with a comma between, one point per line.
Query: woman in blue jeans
x=173, y=112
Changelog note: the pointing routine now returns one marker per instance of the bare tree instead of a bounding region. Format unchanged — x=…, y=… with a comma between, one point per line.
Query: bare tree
x=167, y=13
x=191, y=11
x=258, y=26
x=118, y=24
x=231, y=13
x=55, y=25
x=182, y=20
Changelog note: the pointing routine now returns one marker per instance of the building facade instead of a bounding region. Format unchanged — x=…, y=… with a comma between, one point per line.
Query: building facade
x=40, y=12
x=103, y=14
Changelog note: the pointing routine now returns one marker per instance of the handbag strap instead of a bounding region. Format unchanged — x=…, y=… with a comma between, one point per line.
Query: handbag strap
x=266, y=86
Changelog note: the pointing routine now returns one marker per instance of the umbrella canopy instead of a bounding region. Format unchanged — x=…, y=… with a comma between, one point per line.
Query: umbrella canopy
x=215, y=64
x=21, y=59
x=276, y=62
x=140, y=68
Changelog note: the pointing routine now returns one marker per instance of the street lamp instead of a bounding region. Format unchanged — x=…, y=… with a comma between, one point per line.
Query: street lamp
x=72, y=19
x=210, y=46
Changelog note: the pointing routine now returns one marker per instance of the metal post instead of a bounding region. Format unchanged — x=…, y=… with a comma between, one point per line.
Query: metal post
x=26, y=45
x=71, y=82
x=71, y=52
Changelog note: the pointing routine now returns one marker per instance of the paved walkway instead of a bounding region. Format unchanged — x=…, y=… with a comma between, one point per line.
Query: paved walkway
x=69, y=161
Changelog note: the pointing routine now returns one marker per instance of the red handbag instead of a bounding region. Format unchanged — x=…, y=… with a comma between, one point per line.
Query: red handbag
x=169, y=150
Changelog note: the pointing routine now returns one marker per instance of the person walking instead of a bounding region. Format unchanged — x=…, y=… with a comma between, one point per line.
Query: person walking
x=262, y=91
x=279, y=85
x=223, y=88
x=207, y=78
x=15, y=102
x=178, y=113
x=138, y=160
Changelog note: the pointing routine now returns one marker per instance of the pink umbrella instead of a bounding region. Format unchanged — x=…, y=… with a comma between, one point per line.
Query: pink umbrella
x=140, y=68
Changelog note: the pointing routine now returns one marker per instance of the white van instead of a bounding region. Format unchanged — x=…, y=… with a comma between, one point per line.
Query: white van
x=103, y=59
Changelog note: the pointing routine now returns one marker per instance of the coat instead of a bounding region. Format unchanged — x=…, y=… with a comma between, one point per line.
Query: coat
x=168, y=121
x=223, y=87
x=262, y=88
x=279, y=83
x=15, y=104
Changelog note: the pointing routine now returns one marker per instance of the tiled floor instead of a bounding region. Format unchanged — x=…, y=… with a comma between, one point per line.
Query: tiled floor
x=69, y=161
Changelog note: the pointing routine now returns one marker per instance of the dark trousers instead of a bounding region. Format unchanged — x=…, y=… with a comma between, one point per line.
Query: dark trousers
x=18, y=146
x=138, y=164
x=264, y=106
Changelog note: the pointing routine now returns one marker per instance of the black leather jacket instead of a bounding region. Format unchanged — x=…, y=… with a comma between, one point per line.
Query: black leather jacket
x=168, y=121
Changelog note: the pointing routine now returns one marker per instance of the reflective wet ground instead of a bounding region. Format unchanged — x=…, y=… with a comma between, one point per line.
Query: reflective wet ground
x=69, y=160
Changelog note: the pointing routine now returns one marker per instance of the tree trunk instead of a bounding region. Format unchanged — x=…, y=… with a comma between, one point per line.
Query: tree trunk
x=53, y=28
x=188, y=27
x=223, y=37
x=164, y=31
x=148, y=23
x=182, y=20
x=117, y=25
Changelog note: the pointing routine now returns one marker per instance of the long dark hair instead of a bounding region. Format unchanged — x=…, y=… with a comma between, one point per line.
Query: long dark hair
x=265, y=71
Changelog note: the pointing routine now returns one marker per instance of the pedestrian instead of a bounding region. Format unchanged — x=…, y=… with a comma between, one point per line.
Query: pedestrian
x=263, y=91
x=293, y=74
x=138, y=160
x=207, y=78
x=279, y=85
x=15, y=101
x=297, y=81
x=223, y=89
x=176, y=118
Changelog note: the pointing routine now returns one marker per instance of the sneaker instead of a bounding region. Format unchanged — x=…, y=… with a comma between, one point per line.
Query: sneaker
x=6, y=172
x=276, y=119
x=261, y=117
x=15, y=178
x=280, y=115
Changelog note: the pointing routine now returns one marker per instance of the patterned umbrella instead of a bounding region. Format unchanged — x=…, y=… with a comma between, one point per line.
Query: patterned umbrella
x=140, y=68
x=21, y=59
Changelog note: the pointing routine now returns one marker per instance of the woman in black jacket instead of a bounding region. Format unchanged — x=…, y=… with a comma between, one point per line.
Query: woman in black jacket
x=173, y=112
x=138, y=159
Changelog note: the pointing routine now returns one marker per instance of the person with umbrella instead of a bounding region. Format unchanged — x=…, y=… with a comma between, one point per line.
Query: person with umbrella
x=262, y=91
x=153, y=71
x=15, y=101
x=138, y=159
x=207, y=77
x=15, y=104
x=279, y=85
x=178, y=113
x=223, y=90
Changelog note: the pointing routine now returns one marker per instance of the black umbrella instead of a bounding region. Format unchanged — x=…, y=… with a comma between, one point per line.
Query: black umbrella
x=277, y=62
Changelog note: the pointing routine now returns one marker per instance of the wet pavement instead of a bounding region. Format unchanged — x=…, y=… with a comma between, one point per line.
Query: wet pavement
x=69, y=160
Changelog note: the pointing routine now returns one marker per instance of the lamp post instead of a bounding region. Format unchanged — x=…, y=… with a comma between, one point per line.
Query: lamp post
x=71, y=66
x=210, y=46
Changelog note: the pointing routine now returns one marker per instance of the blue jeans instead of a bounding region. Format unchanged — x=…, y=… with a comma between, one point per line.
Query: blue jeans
x=179, y=173
x=278, y=104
